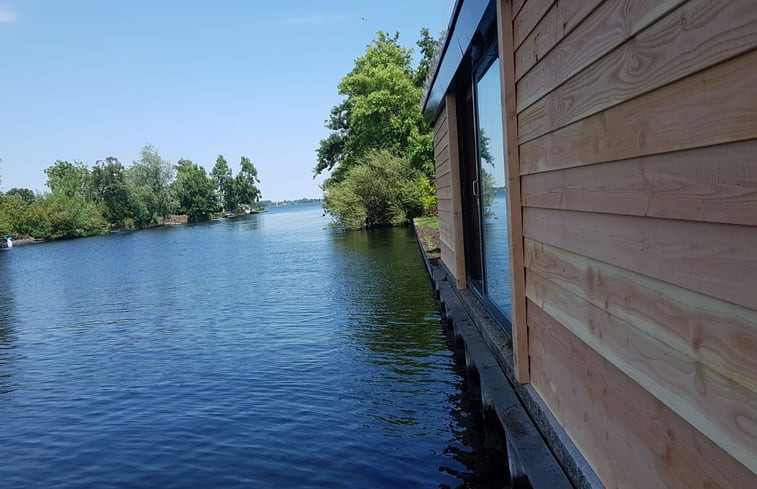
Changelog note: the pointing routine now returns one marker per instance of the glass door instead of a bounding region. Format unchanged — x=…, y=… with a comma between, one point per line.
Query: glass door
x=491, y=189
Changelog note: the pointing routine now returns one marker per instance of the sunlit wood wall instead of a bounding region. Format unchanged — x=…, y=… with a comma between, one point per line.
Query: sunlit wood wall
x=448, y=190
x=637, y=140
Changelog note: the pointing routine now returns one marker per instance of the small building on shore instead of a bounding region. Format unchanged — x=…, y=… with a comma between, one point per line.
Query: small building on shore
x=597, y=185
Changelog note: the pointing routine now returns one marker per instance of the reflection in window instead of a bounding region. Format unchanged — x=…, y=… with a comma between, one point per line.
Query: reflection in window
x=493, y=184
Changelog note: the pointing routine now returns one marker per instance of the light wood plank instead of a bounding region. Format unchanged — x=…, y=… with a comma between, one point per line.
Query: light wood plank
x=530, y=15
x=561, y=18
x=725, y=412
x=446, y=205
x=630, y=438
x=443, y=180
x=444, y=193
x=712, y=184
x=605, y=29
x=446, y=235
x=514, y=209
x=716, y=334
x=719, y=260
x=454, y=261
x=440, y=148
x=718, y=105
x=443, y=166
x=697, y=35
x=440, y=127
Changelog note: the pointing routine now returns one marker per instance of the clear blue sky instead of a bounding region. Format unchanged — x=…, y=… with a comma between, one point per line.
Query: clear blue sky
x=86, y=79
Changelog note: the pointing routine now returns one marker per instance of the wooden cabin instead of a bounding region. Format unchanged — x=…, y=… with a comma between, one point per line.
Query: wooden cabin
x=597, y=182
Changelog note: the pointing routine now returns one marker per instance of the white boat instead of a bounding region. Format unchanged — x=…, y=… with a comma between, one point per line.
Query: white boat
x=6, y=243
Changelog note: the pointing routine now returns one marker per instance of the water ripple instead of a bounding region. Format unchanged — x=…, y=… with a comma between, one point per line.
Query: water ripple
x=261, y=352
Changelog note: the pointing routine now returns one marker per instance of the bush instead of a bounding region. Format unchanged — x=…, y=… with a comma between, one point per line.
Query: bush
x=430, y=203
x=382, y=190
x=61, y=217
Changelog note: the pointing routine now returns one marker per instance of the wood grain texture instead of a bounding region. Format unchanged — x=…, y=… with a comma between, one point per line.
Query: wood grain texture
x=444, y=193
x=514, y=209
x=712, y=184
x=725, y=412
x=530, y=15
x=716, y=334
x=516, y=6
x=443, y=166
x=448, y=191
x=606, y=28
x=443, y=186
x=696, y=35
x=718, y=105
x=440, y=128
x=441, y=138
x=457, y=215
x=719, y=260
x=446, y=235
x=443, y=180
x=631, y=439
x=561, y=18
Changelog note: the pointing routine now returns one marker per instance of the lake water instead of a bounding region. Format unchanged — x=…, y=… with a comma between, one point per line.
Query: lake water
x=266, y=351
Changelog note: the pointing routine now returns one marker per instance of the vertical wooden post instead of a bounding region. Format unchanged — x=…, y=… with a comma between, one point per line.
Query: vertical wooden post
x=514, y=204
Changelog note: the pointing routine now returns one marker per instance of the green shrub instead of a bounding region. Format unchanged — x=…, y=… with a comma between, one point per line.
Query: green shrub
x=382, y=190
x=430, y=204
x=60, y=217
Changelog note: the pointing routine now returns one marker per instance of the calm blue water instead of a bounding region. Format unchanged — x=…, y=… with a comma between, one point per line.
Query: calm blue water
x=268, y=351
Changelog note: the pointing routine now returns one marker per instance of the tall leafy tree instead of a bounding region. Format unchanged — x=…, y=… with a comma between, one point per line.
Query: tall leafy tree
x=380, y=111
x=150, y=178
x=379, y=122
x=27, y=195
x=112, y=191
x=194, y=190
x=245, y=184
x=224, y=183
x=428, y=46
x=72, y=180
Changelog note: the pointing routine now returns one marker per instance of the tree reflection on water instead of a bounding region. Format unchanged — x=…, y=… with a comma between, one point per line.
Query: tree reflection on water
x=396, y=324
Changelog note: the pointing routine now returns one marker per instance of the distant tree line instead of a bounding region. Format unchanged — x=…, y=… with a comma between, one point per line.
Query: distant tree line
x=85, y=201
x=380, y=149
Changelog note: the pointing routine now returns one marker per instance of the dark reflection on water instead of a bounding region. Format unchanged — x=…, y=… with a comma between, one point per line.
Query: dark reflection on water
x=265, y=351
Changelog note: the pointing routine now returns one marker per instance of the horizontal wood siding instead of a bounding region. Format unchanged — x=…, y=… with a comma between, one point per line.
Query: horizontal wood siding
x=632, y=439
x=448, y=191
x=637, y=143
x=712, y=184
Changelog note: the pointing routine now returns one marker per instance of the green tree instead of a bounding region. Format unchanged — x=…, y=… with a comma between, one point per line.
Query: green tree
x=194, y=190
x=27, y=195
x=12, y=210
x=428, y=46
x=246, y=191
x=381, y=110
x=72, y=180
x=384, y=190
x=69, y=211
x=224, y=183
x=150, y=180
x=113, y=193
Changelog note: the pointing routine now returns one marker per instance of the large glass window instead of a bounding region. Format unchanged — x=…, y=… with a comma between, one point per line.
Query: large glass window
x=492, y=186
